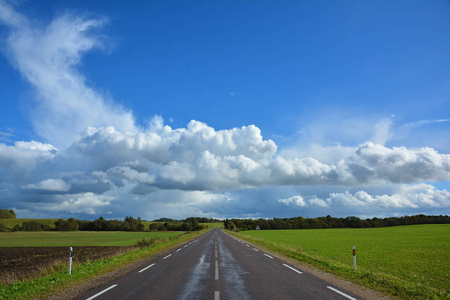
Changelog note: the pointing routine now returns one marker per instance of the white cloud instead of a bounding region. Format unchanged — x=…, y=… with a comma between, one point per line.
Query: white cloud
x=400, y=165
x=131, y=174
x=46, y=57
x=54, y=185
x=415, y=196
x=319, y=202
x=85, y=203
x=194, y=168
x=25, y=155
x=294, y=201
x=382, y=132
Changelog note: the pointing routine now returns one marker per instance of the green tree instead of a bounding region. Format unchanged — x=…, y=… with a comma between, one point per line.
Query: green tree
x=31, y=226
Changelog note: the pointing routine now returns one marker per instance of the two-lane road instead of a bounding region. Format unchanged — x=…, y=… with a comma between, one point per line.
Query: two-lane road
x=217, y=266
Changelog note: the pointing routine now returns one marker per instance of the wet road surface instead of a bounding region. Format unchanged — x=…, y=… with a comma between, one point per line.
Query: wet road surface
x=217, y=266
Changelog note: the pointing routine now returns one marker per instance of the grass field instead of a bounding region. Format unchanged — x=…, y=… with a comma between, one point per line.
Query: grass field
x=214, y=225
x=78, y=238
x=405, y=257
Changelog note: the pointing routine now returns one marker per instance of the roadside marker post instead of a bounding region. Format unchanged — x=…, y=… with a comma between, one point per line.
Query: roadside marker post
x=354, y=258
x=70, y=260
x=257, y=232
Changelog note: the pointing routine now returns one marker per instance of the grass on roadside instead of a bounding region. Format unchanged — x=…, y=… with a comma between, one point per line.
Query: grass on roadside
x=43, y=287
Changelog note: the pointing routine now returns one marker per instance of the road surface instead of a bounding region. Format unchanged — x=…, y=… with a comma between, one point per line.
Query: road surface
x=217, y=266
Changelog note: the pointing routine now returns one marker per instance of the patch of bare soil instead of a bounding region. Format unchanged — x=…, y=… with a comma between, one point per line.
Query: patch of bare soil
x=21, y=263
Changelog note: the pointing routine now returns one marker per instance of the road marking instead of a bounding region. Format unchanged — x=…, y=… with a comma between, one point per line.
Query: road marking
x=146, y=268
x=178, y=250
x=104, y=291
x=268, y=256
x=256, y=249
x=185, y=246
x=216, y=295
x=341, y=293
x=292, y=269
x=217, y=271
x=167, y=256
x=216, y=253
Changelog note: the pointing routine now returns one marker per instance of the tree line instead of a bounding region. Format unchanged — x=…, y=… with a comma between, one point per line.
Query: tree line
x=101, y=224
x=331, y=222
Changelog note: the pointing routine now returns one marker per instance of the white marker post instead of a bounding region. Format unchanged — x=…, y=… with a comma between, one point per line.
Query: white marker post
x=257, y=232
x=70, y=261
x=354, y=258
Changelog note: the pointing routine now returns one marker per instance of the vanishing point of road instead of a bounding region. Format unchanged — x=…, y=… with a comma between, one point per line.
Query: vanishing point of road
x=217, y=266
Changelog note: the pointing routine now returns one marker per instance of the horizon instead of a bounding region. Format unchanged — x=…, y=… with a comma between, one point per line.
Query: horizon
x=224, y=110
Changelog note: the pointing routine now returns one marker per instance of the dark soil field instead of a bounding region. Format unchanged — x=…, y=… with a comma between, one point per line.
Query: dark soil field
x=20, y=263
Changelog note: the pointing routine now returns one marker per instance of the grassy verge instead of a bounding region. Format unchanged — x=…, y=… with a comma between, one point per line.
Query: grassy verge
x=43, y=287
x=407, y=262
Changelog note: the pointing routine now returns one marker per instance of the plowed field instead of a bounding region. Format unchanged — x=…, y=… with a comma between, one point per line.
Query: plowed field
x=19, y=263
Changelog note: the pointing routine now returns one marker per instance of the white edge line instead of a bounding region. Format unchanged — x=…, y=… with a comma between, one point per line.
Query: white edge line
x=104, y=291
x=256, y=249
x=341, y=293
x=268, y=256
x=146, y=268
x=179, y=250
x=287, y=266
x=167, y=256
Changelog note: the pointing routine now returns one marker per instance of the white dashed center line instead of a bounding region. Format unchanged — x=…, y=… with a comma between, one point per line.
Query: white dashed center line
x=146, y=268
x=217, y=271
x=295, y=270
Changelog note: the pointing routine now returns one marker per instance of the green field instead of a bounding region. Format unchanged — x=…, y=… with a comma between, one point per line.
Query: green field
x=78, y=238
x=214, y=225
x=404, y=257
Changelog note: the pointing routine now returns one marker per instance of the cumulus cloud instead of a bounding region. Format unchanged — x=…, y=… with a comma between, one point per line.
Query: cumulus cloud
x=86, y=203
x=99, y=161
x=54, y=185
x=418, y=196
x=23, y=156
x=376, y=163
x=294, y=200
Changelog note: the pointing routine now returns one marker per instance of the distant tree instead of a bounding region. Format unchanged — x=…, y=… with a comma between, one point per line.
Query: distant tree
x=31, y=226
x=17, y=227
x=7, y=214
x=66, y=225
x=4, y=228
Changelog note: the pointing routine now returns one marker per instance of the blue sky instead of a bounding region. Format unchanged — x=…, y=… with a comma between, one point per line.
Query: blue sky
x=224, y=108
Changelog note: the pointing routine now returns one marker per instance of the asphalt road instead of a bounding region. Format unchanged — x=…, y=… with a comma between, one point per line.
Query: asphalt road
x=217, y=266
